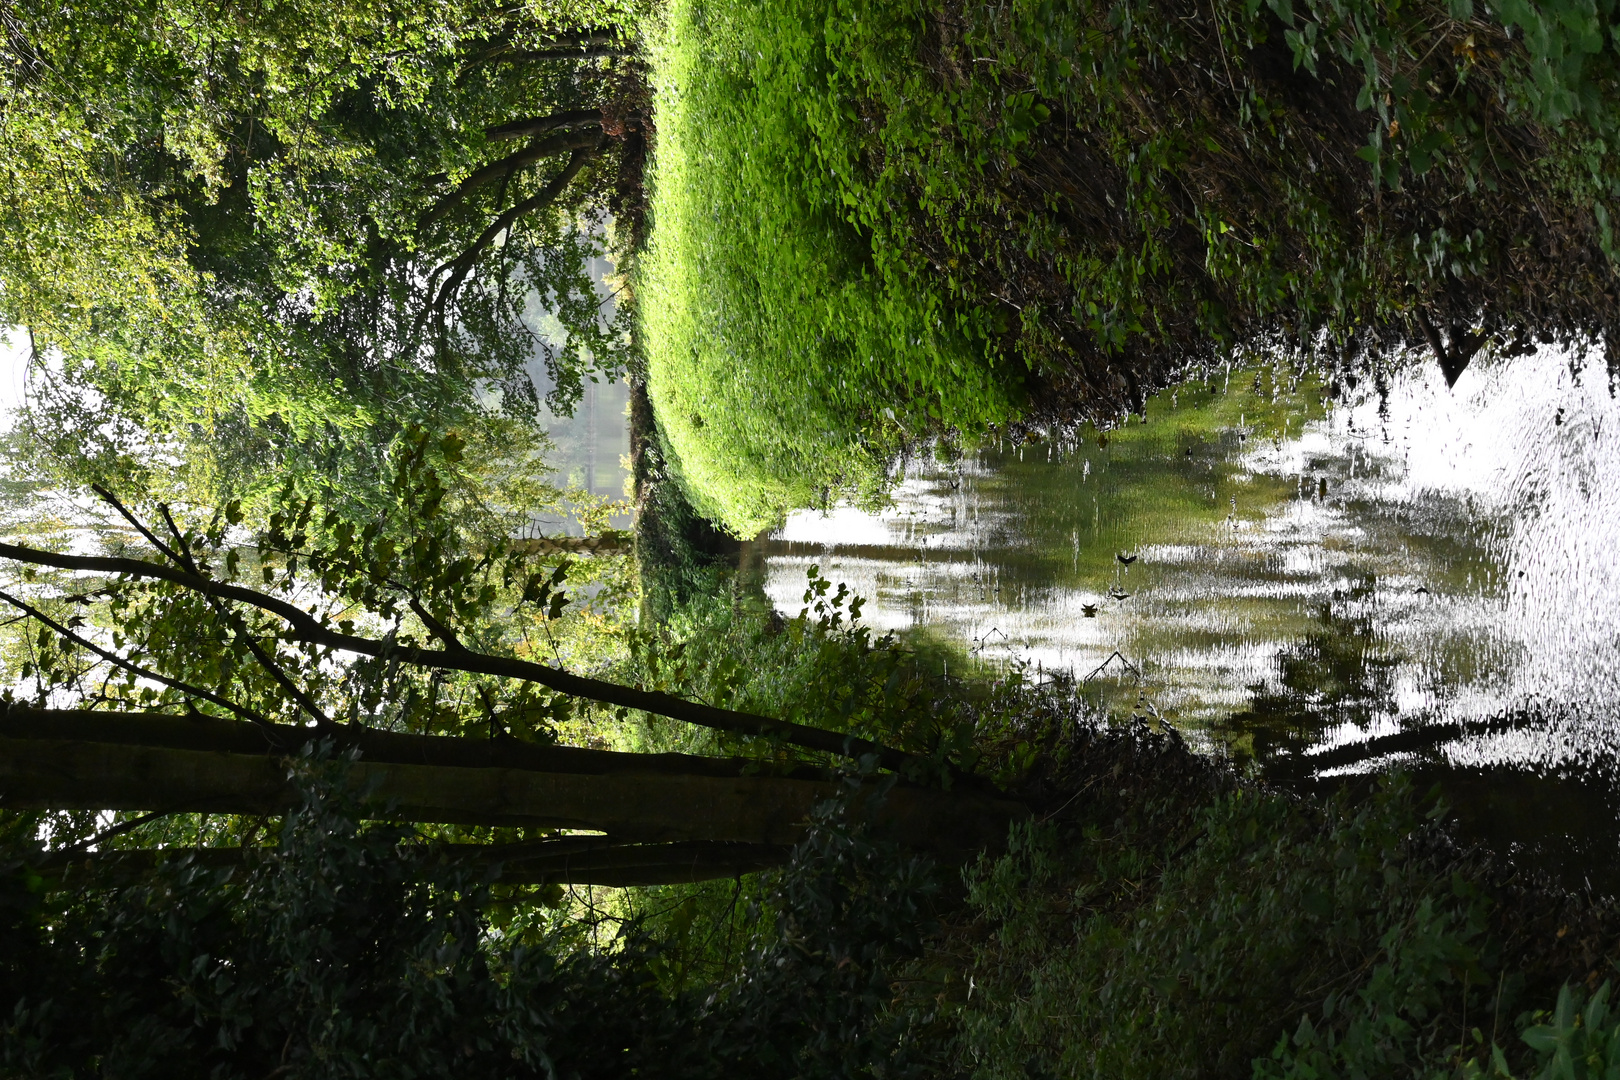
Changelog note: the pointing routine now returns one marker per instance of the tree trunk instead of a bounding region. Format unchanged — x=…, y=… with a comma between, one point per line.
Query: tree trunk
x=564, y=142
x=65, y=759
x=574, y=860
x=539, y=125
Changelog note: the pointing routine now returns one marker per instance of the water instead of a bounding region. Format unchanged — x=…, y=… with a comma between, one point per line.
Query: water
x=590, y=453
x=1419, y=576
x=590, y=448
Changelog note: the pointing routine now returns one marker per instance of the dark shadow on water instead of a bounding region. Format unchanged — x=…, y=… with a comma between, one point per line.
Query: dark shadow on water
x=1563, y=822
x=1338, y=674
x=1340, y=680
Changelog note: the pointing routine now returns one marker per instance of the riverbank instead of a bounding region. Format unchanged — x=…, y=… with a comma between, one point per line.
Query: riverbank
x=1167, y=919
x=884, y=219
x=1160, y=916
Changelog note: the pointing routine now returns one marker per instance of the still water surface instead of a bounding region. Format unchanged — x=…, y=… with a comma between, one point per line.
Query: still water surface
x=1422, y=575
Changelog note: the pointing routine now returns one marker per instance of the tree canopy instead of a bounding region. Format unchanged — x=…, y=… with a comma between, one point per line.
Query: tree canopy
x=266, y=233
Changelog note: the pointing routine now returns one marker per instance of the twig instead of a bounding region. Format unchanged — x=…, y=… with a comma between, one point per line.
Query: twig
x=130, y=666
x=1115, y=655
x=184, y=559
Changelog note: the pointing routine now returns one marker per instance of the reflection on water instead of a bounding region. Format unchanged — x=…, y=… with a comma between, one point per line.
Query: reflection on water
x=589, y=448
x=1423, y=575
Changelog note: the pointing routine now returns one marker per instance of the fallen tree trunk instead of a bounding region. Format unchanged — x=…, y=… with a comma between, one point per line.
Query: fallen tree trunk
x=74, y=759
x=573, y=860
x=200, y=732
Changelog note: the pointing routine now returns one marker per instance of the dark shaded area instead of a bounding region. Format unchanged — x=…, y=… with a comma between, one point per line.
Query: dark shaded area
x=1223, y=125
x=1562, y=822
x=678, y=550
x=1336, y=675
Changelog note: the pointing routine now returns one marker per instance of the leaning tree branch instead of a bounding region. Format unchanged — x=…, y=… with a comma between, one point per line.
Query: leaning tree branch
x=47, y=762
x=584, y=45
x=562, y=52
x=560, y=143
x=181, y=556
x=306, y=628
x=462, y=264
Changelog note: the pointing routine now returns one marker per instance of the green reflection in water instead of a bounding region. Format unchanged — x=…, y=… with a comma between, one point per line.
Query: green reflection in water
x=1262, y=555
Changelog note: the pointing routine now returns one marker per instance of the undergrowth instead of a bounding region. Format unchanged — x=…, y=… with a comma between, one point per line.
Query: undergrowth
x=1158, y=916
x=1161, y=916
x=1164, y=919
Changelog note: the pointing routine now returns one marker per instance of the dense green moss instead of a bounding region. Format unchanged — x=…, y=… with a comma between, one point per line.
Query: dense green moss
x=785, y=362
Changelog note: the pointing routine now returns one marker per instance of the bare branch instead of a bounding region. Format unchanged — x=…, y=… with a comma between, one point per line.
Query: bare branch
x=435, y=627
x=139, y=525
x=561, y=143
x=463, y=264
x=308, y=629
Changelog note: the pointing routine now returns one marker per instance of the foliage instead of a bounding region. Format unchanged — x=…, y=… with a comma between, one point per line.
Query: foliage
x=781, y=364
x=679, y=552
x=330, y=954
x=239, y=246
x=1053, y=207
x=812, y=998
x=408, y=574
x=327, y=956
x=1158, y=917
x=1167, y=921
x=823, y=668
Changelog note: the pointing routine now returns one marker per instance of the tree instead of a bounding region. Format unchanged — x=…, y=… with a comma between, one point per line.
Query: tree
x=248, y=234
x=395, y=643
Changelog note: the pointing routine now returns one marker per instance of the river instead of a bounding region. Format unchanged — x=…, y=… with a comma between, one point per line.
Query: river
x=1313, y=585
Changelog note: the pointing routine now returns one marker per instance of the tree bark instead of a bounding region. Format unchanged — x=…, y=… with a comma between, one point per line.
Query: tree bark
x=539, y=125
x=199, y=732
x=47, y=763
x=561, y=143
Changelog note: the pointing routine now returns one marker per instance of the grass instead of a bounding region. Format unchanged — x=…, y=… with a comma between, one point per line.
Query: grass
x=786, y=359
